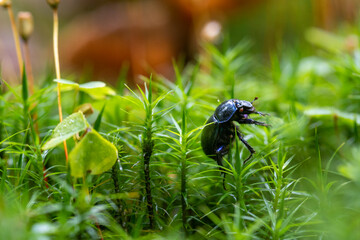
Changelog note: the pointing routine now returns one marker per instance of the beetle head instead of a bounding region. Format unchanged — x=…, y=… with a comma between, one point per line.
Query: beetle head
x=245, y=107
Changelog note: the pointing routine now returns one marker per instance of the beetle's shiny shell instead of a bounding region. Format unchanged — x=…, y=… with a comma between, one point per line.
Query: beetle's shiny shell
x=209, y=136
x=225, y=111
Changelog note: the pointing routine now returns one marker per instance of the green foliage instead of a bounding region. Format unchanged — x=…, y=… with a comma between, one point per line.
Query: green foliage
x=152, y=179
x=92, y=155
x=96, y=89
x=70, y=126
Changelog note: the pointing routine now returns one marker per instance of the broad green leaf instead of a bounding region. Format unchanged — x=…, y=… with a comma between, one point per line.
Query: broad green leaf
x=67, y=85
x=94, y=84
x=66, y=82
x=71, y=125
x=94, y=154
x=96, y=89
x=99, y=93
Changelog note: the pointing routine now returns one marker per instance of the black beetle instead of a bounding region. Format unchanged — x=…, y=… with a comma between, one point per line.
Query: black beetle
x=220, y=128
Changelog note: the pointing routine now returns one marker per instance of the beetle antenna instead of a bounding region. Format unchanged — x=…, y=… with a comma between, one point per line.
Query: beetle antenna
x=256, y=98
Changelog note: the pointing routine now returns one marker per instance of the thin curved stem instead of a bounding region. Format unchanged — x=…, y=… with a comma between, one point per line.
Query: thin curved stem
x=57, y=69
x=29, y=71
x=56, y=44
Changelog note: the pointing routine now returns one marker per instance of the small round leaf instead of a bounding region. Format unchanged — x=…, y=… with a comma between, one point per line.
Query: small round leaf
x=93, y=154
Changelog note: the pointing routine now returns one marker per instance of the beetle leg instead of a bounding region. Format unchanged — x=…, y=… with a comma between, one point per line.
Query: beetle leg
x=262, y=114
x=251, y=121
x=221, y=168
x=220, y=152
x=252, y=151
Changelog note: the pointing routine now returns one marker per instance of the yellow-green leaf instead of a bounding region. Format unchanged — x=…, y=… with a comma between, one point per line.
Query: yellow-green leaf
x=96, y=89
x=67, y=82
x=93, y=154
x=93, y=84
x=99, y=92
x=71, y=125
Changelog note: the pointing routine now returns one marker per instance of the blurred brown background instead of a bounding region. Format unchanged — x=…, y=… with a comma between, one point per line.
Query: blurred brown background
x=103, y=38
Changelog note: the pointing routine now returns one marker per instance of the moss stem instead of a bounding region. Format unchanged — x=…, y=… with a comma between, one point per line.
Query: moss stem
x=28, y=66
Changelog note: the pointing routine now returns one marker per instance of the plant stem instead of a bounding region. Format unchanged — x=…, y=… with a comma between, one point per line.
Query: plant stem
x=115, y=173
x=147, y=148
x=56, y=44
x=26, y=142
x=320, y=171
x=100, y=232
x=279, y=193
x=183, y=167
x=30, y=78
x=57, y=69
x=16, y=39
x=183, y=191
x=29, y=71
x=32, y=119
x=147, y=152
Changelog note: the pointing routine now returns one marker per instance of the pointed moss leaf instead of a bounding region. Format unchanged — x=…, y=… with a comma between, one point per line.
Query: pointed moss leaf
x=99, y=93
x=71, y=125
x=94, y=155
x=25, y=91
x=98, y=119
x=94, y=84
